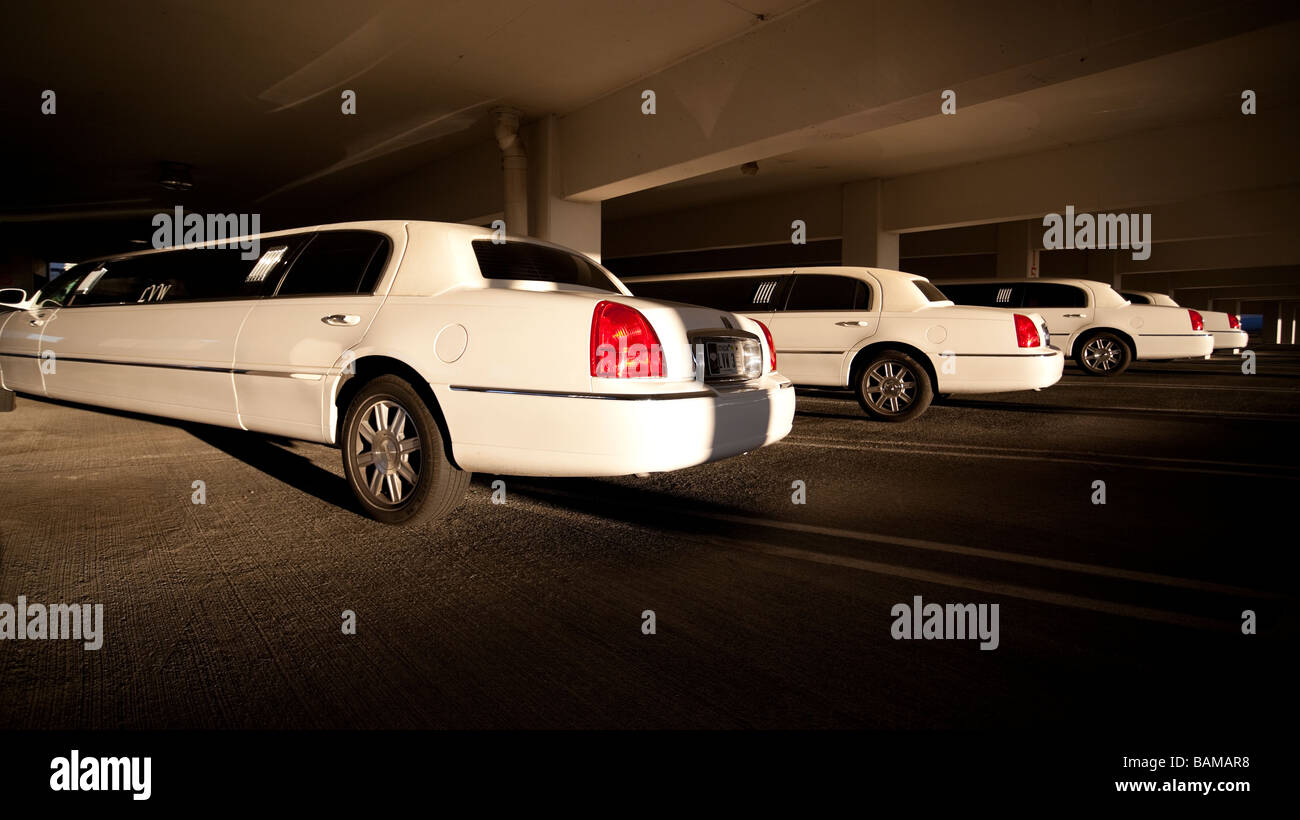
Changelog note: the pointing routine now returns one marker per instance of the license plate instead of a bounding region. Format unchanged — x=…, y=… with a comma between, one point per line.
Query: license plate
x=723, y=358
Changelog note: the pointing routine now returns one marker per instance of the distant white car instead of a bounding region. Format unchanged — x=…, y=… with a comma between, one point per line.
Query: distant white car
x=424, y=350
x=1092, y=322
x=1225, y=327
x=892, y=337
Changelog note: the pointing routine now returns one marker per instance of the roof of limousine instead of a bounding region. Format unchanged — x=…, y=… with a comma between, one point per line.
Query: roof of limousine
x=898, y=293
x=1059, y=280
x=389, y=226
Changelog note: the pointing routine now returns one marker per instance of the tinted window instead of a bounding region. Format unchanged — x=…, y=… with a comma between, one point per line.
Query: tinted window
x=538, y=263
x=337, y=262
x=1052, y=295
x=987, y=295
x=58, y=291
x=172, y=276
x=929, y=291
x=1136, y=299
x=739, y=294
x=824, y=292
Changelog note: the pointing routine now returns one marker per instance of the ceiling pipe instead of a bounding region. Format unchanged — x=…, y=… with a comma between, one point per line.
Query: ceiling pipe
x=514, y=164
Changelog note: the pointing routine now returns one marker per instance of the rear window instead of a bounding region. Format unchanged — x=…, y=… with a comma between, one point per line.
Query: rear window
x=825, y=292
x=538, y=263
x=1136, y=299
x=929, y=291
x=1054, y=295
x=338, y=262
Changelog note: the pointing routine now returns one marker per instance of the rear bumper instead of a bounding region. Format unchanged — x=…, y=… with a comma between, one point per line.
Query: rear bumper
x=1175, y=346
x=1229, y=339
x=998, y=374
x=557, y=434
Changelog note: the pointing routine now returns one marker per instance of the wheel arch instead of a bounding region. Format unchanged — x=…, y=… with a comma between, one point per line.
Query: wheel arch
x=1083, y=335
x=368, y=368
x=863, y=356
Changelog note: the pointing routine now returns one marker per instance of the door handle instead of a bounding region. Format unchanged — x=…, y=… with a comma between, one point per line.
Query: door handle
x=36, y=322
x=341, y=319
x=851, y=324
x=1074, y=316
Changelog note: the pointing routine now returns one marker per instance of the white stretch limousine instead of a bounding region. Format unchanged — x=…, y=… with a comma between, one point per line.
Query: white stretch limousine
x=425, y=350
x=890, y=336
x=1093, y=323
x=1225, y=327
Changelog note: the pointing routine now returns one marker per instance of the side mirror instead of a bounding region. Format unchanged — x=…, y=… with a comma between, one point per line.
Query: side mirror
x=13, y=297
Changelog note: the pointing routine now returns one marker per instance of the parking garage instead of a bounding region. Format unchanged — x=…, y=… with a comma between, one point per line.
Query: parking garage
x=1131, y=530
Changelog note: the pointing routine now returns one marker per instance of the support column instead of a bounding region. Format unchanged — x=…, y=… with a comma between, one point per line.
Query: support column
x=863, y=242
x=1017, y=250
x=556, y=219
x=514, y=166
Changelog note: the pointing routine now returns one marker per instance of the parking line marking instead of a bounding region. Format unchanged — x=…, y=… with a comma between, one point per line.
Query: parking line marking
x=955, y=549
x=940, y=450
x=926, y=446
x=1161, y=386
x=991, y=587
x=947, y=579
x=993, y=403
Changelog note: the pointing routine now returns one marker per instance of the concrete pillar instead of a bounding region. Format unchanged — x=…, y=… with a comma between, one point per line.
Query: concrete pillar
x=863, y=241
x=514, y=167
x=1017, y=250
x=553, y=218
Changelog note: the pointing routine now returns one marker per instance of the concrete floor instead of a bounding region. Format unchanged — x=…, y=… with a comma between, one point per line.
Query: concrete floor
x=772, y=614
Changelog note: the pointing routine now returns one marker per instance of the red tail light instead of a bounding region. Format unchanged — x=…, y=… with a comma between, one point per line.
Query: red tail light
x=623, y=344
x=1234, y=321
x=1197, y=322
x=771, y=347
x=1026, y=333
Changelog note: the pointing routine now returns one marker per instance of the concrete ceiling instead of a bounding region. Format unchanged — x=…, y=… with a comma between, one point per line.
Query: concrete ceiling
x=1197, y=84
x=249, y=92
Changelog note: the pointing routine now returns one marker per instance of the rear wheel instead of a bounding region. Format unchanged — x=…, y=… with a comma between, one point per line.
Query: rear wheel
x=1103, y=354
x=893, y=387
x=393, y=455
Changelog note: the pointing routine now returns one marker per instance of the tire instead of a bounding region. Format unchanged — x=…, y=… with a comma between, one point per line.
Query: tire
x=1103, y=354
x=893, y=387
x=401, y=483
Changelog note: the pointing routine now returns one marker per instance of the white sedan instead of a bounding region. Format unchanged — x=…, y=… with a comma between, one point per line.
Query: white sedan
x=424, y=350
x=892, y=337
x=1092, y=322
x=1225, y=327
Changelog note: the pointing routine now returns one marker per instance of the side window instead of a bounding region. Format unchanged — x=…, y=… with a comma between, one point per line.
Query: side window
x=984, y=294
x=1052, y=295
x=739, y=294
x=61, y=289
x=116, y=282
x=826, y=292
x=189, y=275
x=337, y=262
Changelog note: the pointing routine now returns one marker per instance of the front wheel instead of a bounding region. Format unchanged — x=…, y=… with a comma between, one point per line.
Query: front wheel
x=1103, y=354
x=893, y=387
x=393, y=455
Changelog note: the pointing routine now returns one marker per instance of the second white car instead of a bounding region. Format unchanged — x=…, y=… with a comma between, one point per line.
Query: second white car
x=890, y=336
